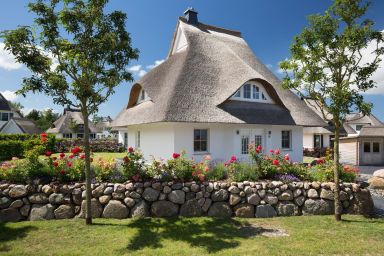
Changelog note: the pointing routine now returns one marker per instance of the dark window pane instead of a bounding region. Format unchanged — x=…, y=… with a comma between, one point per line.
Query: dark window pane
x=358, y=127
x=367, y=147
x=196, y=146
x=376, y=147
x=203, y=146
x=247, y=91
x=196, y=134
x=204, y=134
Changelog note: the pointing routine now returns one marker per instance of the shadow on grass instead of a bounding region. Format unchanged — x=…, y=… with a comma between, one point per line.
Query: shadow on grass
x=12, y=233
x=210, y=234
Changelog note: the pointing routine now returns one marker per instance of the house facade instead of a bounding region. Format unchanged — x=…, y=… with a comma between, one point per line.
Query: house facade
x=12, y=121
x=71, y=125
x=366, y=148
x=212, y=96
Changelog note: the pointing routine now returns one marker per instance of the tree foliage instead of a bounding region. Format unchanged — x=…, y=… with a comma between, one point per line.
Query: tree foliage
x=327, y=65
x=43, y=119
x=77, y=53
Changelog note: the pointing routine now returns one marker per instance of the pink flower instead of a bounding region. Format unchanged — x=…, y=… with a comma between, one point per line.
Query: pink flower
x=260, y=148
x=233, y=158
x=69, y=164
x=271, y=151
x=207, y=157
x=71, y=156
x=175, y=155
x=275, y=162
x=277, y=152
x=206, y=169
x=286, y=157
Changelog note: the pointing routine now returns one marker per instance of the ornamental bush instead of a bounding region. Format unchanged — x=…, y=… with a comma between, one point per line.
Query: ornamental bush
x=100, y=145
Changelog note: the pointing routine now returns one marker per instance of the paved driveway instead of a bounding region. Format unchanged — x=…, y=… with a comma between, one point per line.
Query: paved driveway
x=378, y=199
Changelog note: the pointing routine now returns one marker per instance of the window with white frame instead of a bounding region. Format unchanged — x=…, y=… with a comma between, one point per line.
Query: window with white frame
x=138, y=139
x=286, y=139
x=143, y=96
x=200, y=140
x=244, y=144
x=67, y=135
x=252, y=91
x=4, y=116
x=258, y=140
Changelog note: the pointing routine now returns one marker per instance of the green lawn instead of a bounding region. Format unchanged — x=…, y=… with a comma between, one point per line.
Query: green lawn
x=308, y=159
x=196, y=236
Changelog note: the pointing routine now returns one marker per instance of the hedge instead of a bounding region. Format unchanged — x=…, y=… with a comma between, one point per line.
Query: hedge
x=103, y=145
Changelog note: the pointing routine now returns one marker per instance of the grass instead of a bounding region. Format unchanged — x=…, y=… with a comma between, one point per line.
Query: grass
x=308, y=235
x=308, y=159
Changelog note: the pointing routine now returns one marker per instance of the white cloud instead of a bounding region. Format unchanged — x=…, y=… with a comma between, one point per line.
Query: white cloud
x=135, y=68
x=7, y=60
x=269, y=66
x=141, y=73
x=9, y=95
x=157, y=63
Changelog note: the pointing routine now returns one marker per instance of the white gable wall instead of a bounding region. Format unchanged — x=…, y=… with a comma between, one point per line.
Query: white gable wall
x=11, y=128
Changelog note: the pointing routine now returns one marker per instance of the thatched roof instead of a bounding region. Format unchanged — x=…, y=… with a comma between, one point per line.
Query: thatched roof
x=372, y=131
x=358, y=118
x=65, y=122
x=194, y=85
x=4, y=105
x=25, y=125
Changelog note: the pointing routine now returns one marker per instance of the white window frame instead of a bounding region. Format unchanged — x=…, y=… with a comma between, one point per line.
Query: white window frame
x=207, y=141
x=244, y=148
x=143, y=96
x=290, y=140
x=5, y=114
x=138, y=139
x=257, y=93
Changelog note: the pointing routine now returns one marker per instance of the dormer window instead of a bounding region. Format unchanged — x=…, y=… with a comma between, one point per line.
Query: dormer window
x=252, y=91
x=143, y=96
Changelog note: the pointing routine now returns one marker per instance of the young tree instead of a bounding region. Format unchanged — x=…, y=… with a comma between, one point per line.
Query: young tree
x=77, y=54
x=326, y=67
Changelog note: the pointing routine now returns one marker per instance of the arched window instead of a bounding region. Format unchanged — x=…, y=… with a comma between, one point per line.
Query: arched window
x=252, y=91
x=143, y=96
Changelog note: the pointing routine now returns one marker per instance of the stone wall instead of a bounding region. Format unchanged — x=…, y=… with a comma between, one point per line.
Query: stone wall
x=218, y=199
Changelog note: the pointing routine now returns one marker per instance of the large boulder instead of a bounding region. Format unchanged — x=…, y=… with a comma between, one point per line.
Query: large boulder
x=286, y=208
x=177, y=196
x=191, y=208
x=265, y=211
x=39, y=198
x=220, y=209
x=4, y=202
x=253, y=199
x=361, y=203
x=234, y=199
x=24, y=210
x=327, y=194
x=16, y=204
x=220, y=195
x=312, y=193
x=18, y=191
x=244, y=210
x=379, y=173
x=164, y=209
x=96, y=208
x=271, y=199
x=140, y=210
x=150, y=194
x=287, y=195
x=318, y=207
x=376, y=182
x=56, y=198
x=42, y=212
x=64, y=211
x=10, y=215
x=116, y=210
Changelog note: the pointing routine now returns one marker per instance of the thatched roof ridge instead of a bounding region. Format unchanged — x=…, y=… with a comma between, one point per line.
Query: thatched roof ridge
x=63, y=123
x=193, y=85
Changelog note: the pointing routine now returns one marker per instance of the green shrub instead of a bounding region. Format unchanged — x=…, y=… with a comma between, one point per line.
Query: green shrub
x=11, y=148
x=181, y=167
x=103, y=169
x=245, y=171
x=133, y=166
x=218, y=172
x=14, y=171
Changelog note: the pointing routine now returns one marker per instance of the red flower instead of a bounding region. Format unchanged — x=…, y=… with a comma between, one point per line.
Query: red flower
x=233, y=158
x=275, y=162
x=271, y=151
x=175, y=155
x=62, y=171
x=43, y=135
x=320, y=161
x=91, y=159
x=202, y=177
x=259, y=148
x=55, y=164
x=193, y=166
x=82, y=156
x=206, y=169
x=43, y=139
x=71, y=156
x=76, y=150
x=54, y=158
x=62, y=155
x=257, y=151
x=286, y=157
x=48, y=153
x=69, y=164
x=130, y=149
x=193, y=174
x=126, y=159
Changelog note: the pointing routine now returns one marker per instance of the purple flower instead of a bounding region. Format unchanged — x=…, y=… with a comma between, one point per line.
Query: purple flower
x=286, y=177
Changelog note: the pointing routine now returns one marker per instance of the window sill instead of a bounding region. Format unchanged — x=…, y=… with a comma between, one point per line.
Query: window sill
x=201, y=153
x=286, y=149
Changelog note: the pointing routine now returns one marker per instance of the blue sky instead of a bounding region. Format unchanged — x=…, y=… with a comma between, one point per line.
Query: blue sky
x=268, y=26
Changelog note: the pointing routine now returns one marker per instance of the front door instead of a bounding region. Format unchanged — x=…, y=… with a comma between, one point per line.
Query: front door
x=250, y=136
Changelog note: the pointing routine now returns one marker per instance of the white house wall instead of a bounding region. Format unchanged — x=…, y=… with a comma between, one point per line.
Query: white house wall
x=308, y=140
x=11, y=128
x=163, y=139
x=348, y=152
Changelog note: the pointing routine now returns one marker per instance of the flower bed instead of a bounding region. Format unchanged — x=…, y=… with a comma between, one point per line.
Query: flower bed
x=169, y=198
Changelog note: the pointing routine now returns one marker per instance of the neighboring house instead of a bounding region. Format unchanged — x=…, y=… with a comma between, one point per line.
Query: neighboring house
x=212, y=96
x=365, y=148
x=105, y=129
x=322, y=137
x=71, y=125
x=13, y=122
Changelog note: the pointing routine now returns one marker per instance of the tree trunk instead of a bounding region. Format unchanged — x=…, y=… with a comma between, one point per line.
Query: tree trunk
x=336, y=154
x=88, y=215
